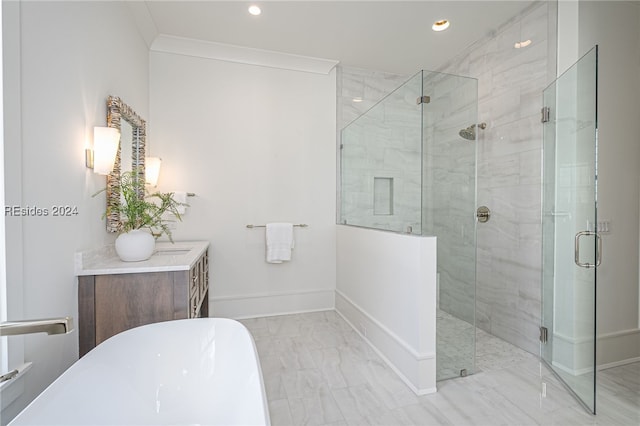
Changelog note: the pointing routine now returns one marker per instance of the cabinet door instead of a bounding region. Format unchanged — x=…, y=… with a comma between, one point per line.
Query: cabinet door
x=125, y=301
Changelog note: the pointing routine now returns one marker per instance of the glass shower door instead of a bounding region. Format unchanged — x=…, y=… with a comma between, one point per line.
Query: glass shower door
x=448, y=212
x=571, y=245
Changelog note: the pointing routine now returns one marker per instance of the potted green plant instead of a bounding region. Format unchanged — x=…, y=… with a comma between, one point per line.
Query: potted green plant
x=143, y=218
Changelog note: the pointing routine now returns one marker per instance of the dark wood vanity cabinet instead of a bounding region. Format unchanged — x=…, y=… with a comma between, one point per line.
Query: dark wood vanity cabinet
x=111, y=303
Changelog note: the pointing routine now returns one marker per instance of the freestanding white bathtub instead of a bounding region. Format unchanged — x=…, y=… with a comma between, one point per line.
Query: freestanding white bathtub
x=185, y=372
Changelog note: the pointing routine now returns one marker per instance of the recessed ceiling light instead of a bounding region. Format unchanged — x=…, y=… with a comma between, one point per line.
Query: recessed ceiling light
x=521, y=44
x=441, y=25
x=255, y=10
x=357, y=99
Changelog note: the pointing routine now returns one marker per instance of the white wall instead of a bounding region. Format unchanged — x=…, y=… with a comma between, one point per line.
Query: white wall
x=62, y=61
x=4, y=364
x=613, y=26
x=257, y=145
x=568, y=38
x=386, y=289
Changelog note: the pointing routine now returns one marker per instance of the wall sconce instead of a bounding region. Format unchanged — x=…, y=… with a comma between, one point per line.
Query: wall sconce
x=105, y=148
x=152, y=170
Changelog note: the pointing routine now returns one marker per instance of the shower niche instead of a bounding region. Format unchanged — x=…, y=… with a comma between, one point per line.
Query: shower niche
x=382, y=196
x=408, y=165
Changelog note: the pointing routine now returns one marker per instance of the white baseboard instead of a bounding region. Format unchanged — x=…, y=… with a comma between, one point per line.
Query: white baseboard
x=618, y=348
x=416, y=370
x=613, y=350
x=618, y=363
x=599, y=368
x=572, y=371
x=272, y=303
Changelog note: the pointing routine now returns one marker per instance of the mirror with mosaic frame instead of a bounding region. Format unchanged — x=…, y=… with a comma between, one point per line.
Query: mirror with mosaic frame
x=120, y=115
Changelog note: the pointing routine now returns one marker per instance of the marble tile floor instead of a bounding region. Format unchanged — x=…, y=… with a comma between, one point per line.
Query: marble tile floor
x=456, y=348
x=319, y=371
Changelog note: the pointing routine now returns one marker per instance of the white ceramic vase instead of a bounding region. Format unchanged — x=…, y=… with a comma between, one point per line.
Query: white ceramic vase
x=135, y=246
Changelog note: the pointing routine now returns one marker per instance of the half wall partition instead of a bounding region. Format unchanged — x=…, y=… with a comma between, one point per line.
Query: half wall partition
x=408, y=165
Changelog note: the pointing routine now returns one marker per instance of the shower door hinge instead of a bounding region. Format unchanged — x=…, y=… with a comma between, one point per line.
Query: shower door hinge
x=341, y=146
x=544, y=334
x=423, y=100
x=546, y=114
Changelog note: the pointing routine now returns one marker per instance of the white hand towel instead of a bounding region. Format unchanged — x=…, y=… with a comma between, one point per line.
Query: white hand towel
x=279, y=237
x=181, y=197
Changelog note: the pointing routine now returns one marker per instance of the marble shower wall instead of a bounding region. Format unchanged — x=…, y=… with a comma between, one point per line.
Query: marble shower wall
x=411, y=159
x=381, y=167
x=370, y=143
x=510, y=86
x=432, y=170
x=360, y=89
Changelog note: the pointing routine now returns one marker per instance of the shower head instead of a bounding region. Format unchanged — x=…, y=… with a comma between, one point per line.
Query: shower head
x=470, y=132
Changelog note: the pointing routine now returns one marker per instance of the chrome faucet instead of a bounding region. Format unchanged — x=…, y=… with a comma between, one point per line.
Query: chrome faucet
x=49, y=326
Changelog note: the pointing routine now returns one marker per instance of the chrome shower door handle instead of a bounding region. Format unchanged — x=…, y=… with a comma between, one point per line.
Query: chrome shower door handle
x=598, y=250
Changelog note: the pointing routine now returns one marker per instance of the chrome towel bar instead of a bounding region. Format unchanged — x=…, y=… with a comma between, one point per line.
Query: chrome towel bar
x=300, y=225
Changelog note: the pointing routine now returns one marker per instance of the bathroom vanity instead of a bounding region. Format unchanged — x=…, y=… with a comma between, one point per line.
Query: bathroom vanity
x=114, y=296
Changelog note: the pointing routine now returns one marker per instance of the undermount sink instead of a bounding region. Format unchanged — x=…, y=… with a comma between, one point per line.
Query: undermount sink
x=172, y=252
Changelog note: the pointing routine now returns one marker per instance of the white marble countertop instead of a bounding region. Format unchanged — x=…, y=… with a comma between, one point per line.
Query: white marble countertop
x=178, y=256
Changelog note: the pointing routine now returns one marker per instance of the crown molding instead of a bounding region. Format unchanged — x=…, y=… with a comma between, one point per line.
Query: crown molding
x=244, y=55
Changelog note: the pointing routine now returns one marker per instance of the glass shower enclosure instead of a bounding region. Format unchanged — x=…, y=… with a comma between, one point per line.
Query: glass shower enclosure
x=408, y=165
x=571, y=243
